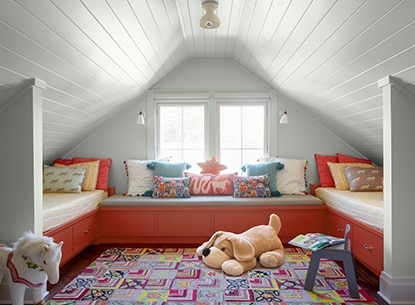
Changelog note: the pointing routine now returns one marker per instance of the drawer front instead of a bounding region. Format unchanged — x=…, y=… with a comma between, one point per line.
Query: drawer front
x=368, y=248
x=238, y=222
x=336, y=226
x=127, y=223
x=182, y=224
x=67, y=248
x=85, y=231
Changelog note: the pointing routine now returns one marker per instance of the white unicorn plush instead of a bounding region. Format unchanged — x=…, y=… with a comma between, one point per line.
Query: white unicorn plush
x=29, y=264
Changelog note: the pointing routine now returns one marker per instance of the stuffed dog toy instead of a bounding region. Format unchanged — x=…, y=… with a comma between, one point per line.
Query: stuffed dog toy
x=237, y=253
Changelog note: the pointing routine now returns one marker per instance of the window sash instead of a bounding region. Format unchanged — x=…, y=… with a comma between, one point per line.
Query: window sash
x=212, y=122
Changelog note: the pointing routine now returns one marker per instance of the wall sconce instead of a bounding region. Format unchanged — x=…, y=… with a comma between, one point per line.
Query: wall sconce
x=141, y=119
x=283, y=117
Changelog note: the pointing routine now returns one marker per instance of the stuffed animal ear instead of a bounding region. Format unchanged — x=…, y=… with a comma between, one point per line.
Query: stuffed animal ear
x=275, y=222
x=208, y=243
x=242, y=249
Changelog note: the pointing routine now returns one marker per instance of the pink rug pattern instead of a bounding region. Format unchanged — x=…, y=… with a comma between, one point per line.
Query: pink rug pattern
x=178, y=276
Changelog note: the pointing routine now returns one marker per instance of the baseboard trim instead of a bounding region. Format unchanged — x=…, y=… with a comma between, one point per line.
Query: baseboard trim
x=397, y=290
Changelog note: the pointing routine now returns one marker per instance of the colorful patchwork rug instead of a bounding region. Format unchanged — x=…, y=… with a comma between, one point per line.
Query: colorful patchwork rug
x=178, y=276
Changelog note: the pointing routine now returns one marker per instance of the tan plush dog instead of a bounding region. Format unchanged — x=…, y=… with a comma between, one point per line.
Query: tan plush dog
x=237, y=253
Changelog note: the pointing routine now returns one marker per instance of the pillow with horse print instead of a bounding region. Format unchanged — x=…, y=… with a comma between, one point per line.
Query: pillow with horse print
x=365, y=179
x=210, y=184
x=63, y=180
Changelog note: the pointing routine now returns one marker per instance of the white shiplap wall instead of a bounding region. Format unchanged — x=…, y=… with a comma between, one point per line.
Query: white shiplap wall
x=98, y=57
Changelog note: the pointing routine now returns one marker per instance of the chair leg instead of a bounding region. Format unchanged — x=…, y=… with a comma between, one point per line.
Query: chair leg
x=350, y=269
x=312, y=272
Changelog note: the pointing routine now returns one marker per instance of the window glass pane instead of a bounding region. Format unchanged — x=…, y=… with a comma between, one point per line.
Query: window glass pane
x=182, y=133
x=242, y=133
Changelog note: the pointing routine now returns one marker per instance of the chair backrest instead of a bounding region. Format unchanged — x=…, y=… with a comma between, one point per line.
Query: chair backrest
x=346, y=235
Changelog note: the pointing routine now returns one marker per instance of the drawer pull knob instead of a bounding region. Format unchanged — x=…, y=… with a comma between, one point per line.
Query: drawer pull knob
x=368, y=248
x=339, y=230
x=87, y=231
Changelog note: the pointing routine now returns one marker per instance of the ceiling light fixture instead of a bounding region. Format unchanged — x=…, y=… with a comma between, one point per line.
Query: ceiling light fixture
x=209, y=20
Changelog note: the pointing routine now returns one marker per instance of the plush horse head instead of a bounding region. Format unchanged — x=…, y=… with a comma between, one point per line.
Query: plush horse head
x=42, y=252
x=29, y=264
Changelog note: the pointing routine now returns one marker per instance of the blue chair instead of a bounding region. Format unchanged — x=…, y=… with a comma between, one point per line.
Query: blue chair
x=341, y=252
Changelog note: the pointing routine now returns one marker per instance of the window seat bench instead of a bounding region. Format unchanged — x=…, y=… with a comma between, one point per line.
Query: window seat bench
x=127, y=219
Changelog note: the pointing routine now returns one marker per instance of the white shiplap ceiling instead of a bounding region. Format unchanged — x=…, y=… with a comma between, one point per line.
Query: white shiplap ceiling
x=98, y=56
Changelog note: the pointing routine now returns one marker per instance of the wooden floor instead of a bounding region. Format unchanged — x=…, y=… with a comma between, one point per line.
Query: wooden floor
x=366, y=279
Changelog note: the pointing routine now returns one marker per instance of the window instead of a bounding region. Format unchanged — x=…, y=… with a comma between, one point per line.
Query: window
x=234, y=131
x=241, y=134
x=182, y=132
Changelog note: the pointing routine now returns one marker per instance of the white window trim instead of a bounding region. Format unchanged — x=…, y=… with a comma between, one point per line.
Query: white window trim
x=211, y=98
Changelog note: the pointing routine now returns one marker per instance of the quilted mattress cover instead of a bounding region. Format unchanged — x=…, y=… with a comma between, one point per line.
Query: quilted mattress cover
x=366, y=207
x=60, y=208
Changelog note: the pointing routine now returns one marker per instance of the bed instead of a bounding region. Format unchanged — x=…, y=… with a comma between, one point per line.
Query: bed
x=352, y=190
x=366, y=207
x=364, y=212
x=61, y=208
x=72, y=191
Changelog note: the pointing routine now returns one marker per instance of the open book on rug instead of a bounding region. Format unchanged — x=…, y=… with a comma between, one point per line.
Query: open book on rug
x=315, y=241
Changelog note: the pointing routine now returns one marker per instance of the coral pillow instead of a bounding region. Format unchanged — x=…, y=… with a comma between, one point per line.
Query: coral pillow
x=103, y=171
x=350, y=159
x=171, y=187
x=323, y=170
x=210, y=184
x=251, y=186
x=63, y=161
x=365, y=179
x=211, y=166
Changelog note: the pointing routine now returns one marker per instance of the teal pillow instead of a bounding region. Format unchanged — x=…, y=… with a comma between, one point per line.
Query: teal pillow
x=263, y=169
x=168, y=169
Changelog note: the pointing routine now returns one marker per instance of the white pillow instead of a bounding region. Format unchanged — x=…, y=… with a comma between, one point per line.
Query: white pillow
x=140, y=178
x=291, y=179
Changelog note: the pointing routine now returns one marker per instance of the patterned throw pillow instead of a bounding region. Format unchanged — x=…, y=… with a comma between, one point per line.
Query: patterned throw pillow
x=91, y=174
x=365, y=179
x=269, y=168
x=251, y=186
x=337, y=171
x=165, y=187
x=210, y=184
x=63, y=180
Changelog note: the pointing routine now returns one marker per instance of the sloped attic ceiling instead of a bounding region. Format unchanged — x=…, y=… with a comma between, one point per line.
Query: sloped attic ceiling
x=98, y=56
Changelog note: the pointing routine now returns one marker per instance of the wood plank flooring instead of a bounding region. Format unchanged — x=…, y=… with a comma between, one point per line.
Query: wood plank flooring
x=366, y=279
